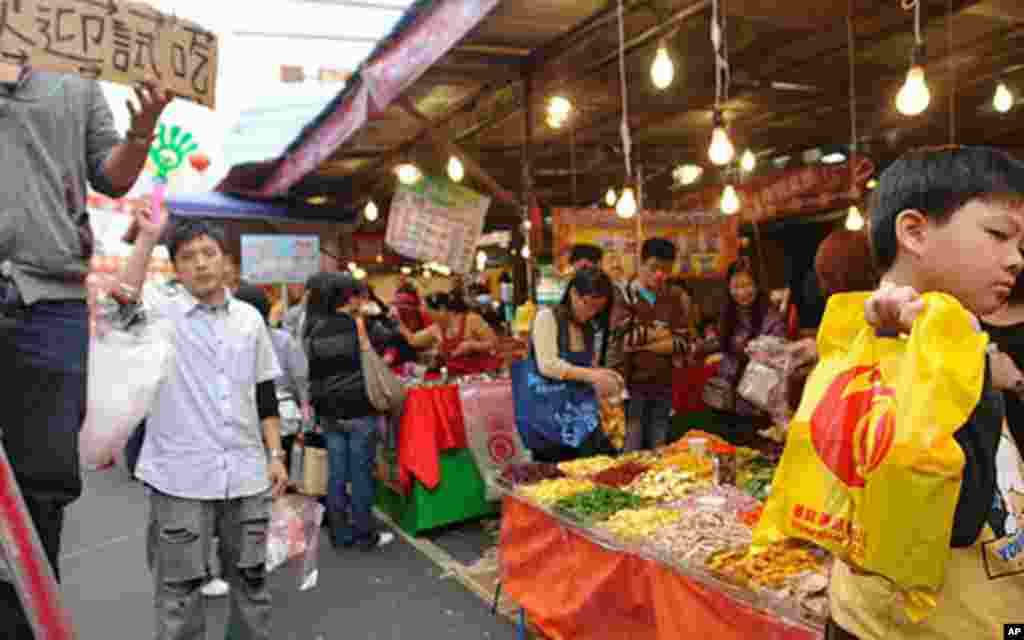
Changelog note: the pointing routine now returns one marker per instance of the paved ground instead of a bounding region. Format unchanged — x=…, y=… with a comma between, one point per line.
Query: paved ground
x=397, y=593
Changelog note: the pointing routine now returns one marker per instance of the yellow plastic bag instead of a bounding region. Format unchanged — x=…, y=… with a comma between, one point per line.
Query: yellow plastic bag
x=871, y=471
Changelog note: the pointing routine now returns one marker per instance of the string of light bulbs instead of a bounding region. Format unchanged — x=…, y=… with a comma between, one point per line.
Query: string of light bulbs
x=854, y=218
x=627, y=205
x=914, y=96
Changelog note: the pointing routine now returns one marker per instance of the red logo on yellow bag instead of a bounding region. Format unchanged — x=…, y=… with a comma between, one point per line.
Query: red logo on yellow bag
x=853, y=426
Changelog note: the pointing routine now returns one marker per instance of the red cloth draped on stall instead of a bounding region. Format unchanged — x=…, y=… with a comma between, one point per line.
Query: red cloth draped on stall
x=432, y=423
x=573, y=588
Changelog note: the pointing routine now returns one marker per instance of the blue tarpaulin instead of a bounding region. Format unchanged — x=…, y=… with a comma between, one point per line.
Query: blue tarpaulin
x=226, y=207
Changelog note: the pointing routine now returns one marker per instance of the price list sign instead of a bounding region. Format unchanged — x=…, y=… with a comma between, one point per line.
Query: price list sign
x=437, y=221
x=121, y=42
x=268, y=259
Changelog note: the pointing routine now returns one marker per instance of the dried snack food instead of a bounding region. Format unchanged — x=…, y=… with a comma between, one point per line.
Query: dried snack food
x=587, y=466
x=597, y=504
x=548, y=492
x=698, y=535
x=529, y=473
x=665, y=485
x=620, y=475
x=641, y=523
x=686, y=461
x=770, y=568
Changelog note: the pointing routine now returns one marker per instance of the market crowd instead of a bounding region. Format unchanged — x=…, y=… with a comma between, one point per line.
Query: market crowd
x=248, y=375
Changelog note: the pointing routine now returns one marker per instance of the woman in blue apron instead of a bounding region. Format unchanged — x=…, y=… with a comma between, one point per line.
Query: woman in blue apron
x=558, y=387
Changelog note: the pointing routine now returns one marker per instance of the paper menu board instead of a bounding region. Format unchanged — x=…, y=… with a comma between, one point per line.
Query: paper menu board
x=437, y=221
x=271, y=259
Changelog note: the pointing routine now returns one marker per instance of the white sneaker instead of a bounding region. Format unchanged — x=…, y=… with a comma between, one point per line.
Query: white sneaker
x=385, y=538
x=215, y=588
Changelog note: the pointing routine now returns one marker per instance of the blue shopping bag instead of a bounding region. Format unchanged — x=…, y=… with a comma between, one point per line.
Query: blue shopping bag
x=552, y=411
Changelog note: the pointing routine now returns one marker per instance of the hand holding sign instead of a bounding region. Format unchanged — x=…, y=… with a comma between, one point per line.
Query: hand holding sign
x=153, y=99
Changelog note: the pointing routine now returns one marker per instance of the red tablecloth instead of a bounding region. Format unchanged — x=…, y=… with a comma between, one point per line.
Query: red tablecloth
x=573, y=588
x=688, y=387
x=432, y=423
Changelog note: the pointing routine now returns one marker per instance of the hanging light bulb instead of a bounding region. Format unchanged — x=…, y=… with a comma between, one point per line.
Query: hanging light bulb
x=687, y=174
x=611, y=197
x=558, y=111
x=380, y=258
x=626, y=207
x=352, y=266
x=481, y=260
x=730, y=200
x=408, y=173
x=914, y=97
x=721, y=150
x=527, y=225
x=370, y=212
x=1003, y=100
x=406, y=271
x=748, y=161
x=662, y=69
x=526, y=252
x=854, y=219
x=455, y=169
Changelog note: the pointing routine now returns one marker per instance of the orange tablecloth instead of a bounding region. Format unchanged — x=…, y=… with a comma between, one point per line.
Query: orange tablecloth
x=688, y=387
x=432, y=423
x=573, y=588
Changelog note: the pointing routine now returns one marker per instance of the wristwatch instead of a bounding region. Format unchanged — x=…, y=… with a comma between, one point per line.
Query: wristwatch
x=277, y=454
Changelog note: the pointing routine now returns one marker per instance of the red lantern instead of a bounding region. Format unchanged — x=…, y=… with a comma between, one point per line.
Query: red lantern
x=199, y=161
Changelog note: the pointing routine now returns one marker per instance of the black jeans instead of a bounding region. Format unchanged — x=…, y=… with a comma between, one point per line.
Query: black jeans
x=43, y=357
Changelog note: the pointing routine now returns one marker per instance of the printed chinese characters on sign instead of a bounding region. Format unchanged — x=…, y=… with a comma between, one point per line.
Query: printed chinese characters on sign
x=122, y=42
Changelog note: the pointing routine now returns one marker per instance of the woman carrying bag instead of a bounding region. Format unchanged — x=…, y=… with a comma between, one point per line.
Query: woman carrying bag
x=557, y=389
x=335, y=338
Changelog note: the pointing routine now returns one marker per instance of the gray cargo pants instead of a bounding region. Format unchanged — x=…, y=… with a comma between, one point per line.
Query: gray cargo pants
x=181, y=532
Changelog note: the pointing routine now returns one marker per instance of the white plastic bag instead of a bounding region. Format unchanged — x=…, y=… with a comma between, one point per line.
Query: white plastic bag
x=126, y=367
x=294, y=531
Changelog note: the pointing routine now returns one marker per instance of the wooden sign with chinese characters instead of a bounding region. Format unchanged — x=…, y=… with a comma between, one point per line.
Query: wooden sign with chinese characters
x=121, y=42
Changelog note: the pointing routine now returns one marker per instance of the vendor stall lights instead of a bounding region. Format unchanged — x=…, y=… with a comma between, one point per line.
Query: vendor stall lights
x=371, y=212
x=559, y=108
x=611, y=197
x=914, y=97
x=662, y=69
x=688, y=174
x=721, y=150
x=527, y=225
x=526, y=252
x=730, y=200
x=455, y=169
x=627, y=205
x=1003, y=99
x=406, y=271
x=408, y=174
x=748, y=161
x=481, y=260
x=854, y=219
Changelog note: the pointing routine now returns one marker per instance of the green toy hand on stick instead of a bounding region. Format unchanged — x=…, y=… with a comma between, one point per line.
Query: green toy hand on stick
x=170, y=149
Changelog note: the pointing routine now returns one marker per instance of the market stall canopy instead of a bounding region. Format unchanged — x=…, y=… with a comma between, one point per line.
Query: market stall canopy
x=789, y=100
x=225, y=206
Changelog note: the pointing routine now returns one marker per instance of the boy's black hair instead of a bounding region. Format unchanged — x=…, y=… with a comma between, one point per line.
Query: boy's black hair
x=590, y=252
x=659, y=249
x=185, y=231
x=451, y=301
x=937, y=181
x=256, y=297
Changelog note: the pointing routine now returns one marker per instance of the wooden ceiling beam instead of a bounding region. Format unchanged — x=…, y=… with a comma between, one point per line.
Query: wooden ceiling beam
x=446, y=147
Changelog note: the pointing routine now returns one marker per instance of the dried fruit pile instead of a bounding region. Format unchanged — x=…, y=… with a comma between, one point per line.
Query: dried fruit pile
x=529, y=473
x=633, y=524
x=548, y=492
x=597, y=504
x=667, y=485
x=587, y=466
x=620, y=475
